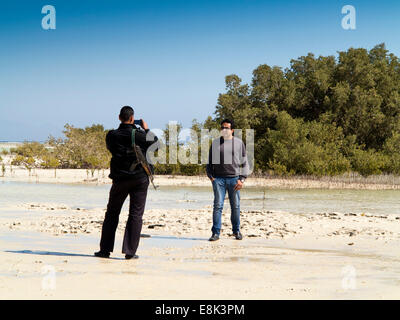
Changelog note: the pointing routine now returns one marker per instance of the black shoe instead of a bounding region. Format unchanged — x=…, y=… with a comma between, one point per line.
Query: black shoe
x=238, y=235
x=214, y=237
x=102, y=254
x=128, y=257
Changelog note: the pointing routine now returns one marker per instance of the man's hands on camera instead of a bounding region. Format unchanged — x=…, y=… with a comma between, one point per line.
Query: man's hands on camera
x=144, y=125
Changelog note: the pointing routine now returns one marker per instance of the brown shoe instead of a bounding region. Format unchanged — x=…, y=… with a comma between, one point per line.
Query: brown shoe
x=214, y=237
x=238, y=236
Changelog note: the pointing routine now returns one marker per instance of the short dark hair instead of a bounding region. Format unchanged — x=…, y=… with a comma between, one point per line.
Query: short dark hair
x=228, y=121
x=125, y=113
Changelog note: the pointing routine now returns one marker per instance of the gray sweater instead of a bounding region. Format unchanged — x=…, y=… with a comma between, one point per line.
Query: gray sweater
x=227, y=158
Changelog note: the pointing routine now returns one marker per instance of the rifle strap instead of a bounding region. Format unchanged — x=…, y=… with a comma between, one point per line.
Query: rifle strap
x=135, y=163
x=145, y=167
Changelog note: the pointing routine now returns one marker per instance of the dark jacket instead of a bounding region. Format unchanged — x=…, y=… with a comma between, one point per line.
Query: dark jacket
x=119, y=143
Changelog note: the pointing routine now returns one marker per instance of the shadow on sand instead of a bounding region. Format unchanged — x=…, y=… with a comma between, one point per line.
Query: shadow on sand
x=60, y=254
x=67, y=254
x=178, y=238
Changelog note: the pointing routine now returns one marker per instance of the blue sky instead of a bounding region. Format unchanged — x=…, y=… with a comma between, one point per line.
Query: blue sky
x=167, y=59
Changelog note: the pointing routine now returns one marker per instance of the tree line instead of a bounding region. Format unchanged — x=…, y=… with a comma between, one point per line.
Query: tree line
x=320, y=116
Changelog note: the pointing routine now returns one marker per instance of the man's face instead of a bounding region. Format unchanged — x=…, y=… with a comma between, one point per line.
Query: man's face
x=226, y=131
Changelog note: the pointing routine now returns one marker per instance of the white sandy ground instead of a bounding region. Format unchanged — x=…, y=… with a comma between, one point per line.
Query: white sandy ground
x=329, y=255
x=283, y=256
x=101, y=177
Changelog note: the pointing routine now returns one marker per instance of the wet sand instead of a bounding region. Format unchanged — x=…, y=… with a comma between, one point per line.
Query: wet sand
x=282, y=256
x=182, y=268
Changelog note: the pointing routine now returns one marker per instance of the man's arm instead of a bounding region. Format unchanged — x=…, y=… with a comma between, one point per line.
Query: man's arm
x=243, y=168
x=244, y=164
x=147, y=138
x=109, y=141
x=209, y=165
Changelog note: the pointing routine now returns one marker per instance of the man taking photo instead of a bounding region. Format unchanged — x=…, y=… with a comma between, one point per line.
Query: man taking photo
x=128, y=179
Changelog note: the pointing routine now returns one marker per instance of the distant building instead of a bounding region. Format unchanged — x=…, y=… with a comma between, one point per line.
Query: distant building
x=8, y=145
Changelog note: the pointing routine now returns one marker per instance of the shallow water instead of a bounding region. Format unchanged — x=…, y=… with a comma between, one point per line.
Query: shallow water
x=296, y=201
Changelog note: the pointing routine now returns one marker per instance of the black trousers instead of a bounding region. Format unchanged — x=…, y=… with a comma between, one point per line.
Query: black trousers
x=137, y=190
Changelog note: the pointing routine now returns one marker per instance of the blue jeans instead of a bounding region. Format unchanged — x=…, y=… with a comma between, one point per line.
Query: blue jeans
x=220, y=185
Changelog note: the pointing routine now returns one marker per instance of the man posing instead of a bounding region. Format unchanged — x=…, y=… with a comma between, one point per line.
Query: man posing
x=227, y=168
x=127, y=179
